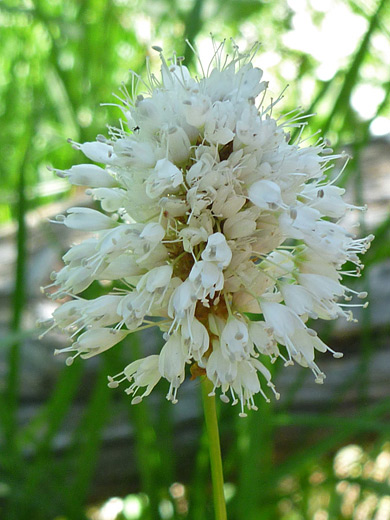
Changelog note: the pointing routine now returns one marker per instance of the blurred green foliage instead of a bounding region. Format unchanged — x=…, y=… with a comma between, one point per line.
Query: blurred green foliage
x=59, y=60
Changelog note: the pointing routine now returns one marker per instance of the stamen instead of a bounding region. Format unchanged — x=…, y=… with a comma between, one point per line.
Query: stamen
x=224, y=398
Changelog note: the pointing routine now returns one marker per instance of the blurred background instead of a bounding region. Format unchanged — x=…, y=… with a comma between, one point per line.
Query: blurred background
x=70, y=447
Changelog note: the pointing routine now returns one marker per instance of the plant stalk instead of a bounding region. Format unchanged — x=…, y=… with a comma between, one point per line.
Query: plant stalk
x=210, y=413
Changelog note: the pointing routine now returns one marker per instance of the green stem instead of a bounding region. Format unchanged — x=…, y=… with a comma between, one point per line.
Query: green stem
x=210, y=413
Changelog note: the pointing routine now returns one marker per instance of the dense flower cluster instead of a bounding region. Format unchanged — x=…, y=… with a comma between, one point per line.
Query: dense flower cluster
x=211, y=216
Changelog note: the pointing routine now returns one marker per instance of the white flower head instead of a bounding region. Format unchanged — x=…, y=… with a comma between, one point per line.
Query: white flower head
x=209, y=214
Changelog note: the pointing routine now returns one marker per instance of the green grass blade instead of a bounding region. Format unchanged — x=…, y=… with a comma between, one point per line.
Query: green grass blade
x=88, y=441
x=192, y=27
x=255, y=441
x=38, y=437
x=300, y=460
x=18, y=303
x=146, y=446
x=343, y=99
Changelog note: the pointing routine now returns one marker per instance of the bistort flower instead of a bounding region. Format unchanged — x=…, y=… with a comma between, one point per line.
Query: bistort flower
x=210, y=217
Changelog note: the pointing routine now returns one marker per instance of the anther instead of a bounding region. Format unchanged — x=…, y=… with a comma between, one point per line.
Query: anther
x=112, y=383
